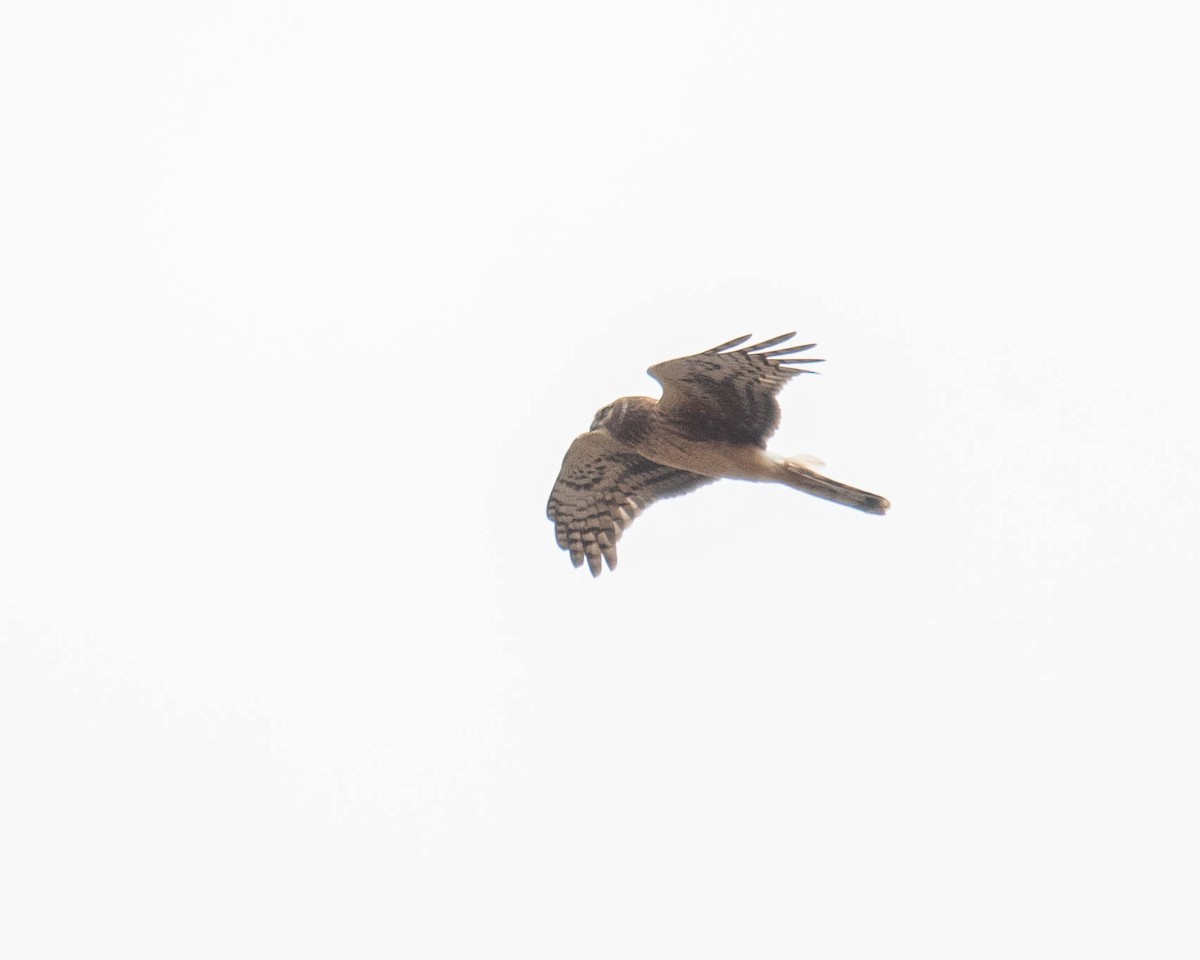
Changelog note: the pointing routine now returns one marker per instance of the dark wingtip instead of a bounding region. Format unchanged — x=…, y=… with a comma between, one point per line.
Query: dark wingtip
x=771, y=342
x=784, y=350
x=732, y=343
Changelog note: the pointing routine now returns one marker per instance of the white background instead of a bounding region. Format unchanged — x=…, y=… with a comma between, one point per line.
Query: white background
x=302, y=304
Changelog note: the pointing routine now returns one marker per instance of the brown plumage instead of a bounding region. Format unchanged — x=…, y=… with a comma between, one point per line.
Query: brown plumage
x=717, y=411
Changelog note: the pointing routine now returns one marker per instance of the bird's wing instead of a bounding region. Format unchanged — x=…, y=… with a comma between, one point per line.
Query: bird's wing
x=728, y=394
x=601, y=487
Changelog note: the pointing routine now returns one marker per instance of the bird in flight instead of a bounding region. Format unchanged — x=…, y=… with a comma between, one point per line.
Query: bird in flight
x=717, y=410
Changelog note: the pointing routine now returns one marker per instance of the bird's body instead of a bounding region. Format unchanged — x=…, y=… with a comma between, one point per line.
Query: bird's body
x=717, y=411
x=637, y=423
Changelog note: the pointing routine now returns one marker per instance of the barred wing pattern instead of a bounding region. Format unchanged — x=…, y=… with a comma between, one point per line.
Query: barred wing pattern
x=601, y=487
x=726, y=394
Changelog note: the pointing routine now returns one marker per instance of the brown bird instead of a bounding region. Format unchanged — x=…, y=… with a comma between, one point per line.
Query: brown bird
x=716, y=413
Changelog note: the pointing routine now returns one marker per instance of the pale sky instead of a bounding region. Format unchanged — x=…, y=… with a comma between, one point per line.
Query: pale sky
x=303, y=304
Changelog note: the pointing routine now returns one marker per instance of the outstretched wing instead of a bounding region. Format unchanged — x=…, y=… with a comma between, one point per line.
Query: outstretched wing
x=601, y=487
x=726, y=394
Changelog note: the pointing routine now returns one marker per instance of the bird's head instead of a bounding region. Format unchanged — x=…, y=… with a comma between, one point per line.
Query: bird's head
x=602, y=417
x=627, y=419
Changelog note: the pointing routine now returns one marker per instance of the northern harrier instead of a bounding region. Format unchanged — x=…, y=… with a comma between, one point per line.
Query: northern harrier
x=717, y=410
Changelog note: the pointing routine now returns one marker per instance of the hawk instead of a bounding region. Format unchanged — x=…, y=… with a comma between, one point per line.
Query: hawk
x=716, y=412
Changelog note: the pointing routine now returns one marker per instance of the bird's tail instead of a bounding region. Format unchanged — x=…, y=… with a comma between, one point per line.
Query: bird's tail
x=802, y=477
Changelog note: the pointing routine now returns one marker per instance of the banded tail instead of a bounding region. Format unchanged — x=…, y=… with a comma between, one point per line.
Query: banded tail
x=796, y=474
